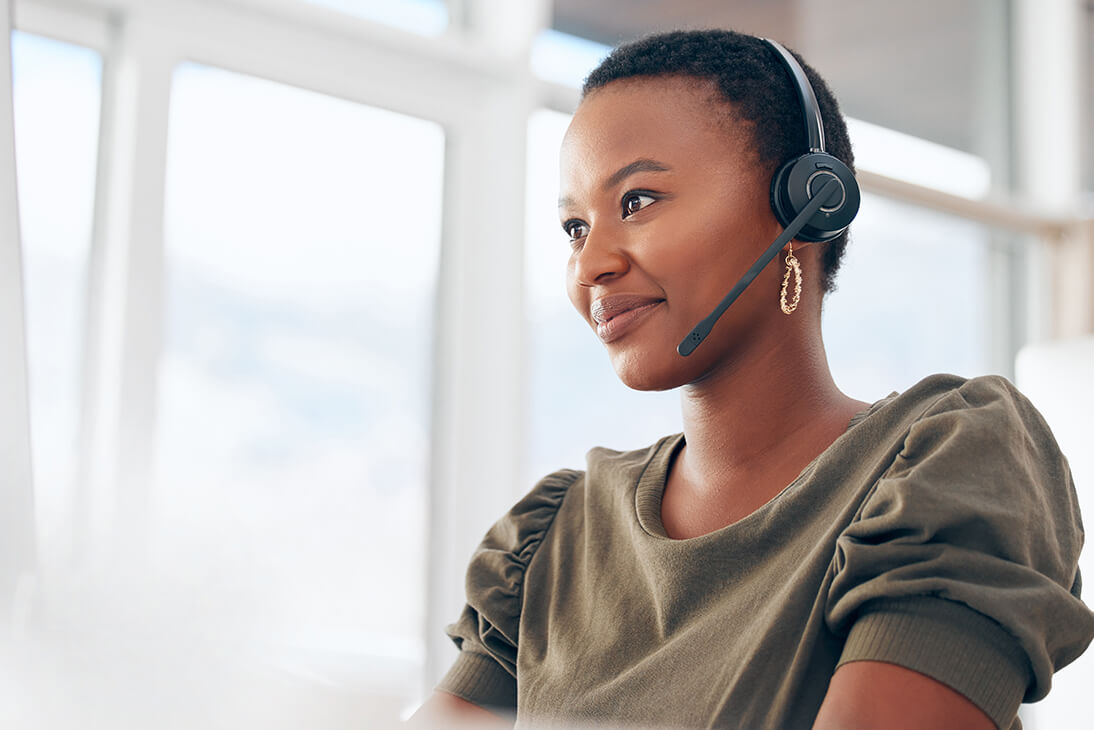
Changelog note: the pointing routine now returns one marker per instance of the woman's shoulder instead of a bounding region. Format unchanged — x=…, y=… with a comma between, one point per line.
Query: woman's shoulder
x=990, y=400
x=975, y=511
x=947, y=429
x=520, y=530
x=934, y=388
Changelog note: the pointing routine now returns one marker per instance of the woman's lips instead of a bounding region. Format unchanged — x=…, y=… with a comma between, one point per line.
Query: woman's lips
x=617, y=314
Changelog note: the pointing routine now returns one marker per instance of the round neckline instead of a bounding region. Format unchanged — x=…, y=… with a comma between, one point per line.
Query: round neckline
x=654, y=478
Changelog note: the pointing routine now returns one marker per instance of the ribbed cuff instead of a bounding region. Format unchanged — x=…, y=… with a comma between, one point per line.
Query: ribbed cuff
x=479, y=679
x=949, y=642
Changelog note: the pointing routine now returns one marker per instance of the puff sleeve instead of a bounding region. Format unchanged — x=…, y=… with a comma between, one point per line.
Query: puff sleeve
x=487, y=630
x=962, y=562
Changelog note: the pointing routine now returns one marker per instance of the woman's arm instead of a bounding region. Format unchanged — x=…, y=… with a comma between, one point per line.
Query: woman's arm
x=870, y=694
x=444, y=710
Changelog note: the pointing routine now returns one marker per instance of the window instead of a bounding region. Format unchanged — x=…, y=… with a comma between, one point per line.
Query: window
x=565, y=59
x=56, y=98
x=302, y=237
x=914, y=297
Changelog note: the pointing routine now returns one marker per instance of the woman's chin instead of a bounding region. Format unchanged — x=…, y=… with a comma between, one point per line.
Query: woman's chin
x=647, y=373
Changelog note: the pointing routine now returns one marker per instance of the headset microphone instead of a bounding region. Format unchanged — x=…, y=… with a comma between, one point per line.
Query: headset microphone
x=814, y=196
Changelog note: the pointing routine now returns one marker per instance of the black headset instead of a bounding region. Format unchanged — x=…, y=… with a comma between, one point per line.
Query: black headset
x=814, y=196
x=801, y=178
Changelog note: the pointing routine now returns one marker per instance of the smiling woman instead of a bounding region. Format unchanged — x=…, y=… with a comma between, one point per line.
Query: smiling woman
x=795, y=557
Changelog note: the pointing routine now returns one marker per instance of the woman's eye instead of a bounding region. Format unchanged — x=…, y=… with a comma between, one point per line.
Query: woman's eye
x=575, y=229
x=634, y=202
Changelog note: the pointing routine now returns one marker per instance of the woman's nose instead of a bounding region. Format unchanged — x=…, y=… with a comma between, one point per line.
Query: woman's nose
x=599, y=259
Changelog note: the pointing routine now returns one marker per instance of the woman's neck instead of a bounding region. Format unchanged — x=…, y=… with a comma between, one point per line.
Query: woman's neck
x=763, y=417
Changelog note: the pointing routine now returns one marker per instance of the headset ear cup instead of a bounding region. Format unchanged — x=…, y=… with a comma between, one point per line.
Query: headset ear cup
x=794, y=185
x=780, y=196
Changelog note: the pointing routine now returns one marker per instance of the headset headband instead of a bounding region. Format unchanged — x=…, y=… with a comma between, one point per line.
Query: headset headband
x=814, y=126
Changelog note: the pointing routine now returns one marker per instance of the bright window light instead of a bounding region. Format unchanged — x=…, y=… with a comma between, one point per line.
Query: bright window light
x=884, y=329
x=426, y=17
x=303, y=241
x=565, y=59
x=904, y=157
x=56, y=94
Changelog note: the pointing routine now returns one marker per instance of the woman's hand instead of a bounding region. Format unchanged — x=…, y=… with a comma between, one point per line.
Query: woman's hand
x=867, y=694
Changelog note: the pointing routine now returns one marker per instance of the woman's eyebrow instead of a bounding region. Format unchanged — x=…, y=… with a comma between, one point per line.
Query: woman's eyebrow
x=642, y=165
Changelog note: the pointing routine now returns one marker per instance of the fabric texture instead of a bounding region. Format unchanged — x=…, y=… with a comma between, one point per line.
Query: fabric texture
x=940, y=532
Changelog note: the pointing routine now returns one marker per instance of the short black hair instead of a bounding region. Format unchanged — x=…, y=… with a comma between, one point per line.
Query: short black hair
x=753, y=80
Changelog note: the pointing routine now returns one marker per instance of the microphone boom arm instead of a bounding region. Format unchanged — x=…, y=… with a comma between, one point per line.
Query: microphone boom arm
x=701, y=330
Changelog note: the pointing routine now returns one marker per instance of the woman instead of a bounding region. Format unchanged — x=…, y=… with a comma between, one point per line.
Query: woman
x=795, y=558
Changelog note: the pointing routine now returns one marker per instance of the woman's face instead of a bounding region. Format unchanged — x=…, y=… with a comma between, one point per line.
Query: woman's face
x=666, y=206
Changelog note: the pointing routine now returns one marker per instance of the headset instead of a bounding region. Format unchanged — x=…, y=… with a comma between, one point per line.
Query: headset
x=814, y=196
x=801, y=178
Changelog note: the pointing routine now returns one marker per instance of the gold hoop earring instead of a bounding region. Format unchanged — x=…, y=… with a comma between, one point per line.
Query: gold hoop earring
x=791, y=263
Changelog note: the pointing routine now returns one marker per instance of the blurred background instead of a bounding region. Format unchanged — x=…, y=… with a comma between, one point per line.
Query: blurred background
x=286, y=331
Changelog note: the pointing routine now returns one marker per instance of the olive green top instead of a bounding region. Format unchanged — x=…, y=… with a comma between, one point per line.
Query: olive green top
x=940, y=532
